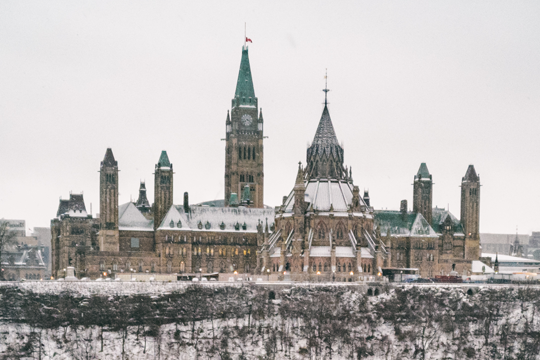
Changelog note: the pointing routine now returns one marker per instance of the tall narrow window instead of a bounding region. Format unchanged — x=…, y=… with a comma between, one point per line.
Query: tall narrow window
x=254, y=153
x=244, y=153
x=249, y=153
x=239, y=152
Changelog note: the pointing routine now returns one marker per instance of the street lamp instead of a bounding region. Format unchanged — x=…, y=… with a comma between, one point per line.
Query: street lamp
x=200, y=273
x=318, y=278
x=268, y=274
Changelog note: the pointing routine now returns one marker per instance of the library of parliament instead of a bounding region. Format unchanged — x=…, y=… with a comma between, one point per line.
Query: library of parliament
x=324, y=229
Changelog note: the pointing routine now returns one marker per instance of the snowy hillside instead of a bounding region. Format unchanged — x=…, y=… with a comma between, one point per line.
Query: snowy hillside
x=172, y=321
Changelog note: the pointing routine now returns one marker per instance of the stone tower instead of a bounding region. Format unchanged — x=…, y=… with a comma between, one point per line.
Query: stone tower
x=423, y=193
x=163, y=188
x=244, y=153
x=470, y=212
x=108, y=203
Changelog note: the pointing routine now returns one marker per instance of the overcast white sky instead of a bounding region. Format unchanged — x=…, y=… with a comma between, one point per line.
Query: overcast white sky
x=449, y=83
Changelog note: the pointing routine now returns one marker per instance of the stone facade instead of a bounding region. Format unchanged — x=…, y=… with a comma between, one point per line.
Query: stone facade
x=438, y=246
x=323, y=230
x=166, y=238
x=244, y=151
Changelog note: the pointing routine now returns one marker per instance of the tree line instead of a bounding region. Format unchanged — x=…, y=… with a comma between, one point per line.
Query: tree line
x=305, y=322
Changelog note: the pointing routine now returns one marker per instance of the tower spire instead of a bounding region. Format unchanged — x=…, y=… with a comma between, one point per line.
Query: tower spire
x=326, y=88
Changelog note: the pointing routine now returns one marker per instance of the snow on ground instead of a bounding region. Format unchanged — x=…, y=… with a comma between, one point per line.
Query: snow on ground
x=305, y=322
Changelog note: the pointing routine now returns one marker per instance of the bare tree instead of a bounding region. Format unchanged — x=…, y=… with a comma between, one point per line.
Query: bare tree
x=7, y=238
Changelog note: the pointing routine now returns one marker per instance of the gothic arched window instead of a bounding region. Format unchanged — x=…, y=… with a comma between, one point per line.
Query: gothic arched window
x=244, y=153
x=253, y=152
x=339, y=267
x=249, y=153
x=339, y=231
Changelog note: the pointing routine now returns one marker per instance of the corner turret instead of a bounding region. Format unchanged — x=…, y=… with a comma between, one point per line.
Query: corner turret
x=423, y=193
x=470, y=212
x=163, y=188
x=108, y=203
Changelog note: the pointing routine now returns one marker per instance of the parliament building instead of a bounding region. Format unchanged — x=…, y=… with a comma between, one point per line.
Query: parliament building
x=324, y=229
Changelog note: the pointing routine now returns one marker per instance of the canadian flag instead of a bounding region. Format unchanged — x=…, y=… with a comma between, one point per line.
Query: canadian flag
x=248, y=40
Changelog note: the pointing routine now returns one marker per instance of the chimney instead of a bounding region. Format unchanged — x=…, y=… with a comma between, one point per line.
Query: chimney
x=186, y=202
x=403, y=210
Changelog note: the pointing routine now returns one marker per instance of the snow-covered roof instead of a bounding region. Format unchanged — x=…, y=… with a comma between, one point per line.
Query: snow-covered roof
x=341, y=251
x=24, y=257
x=409, y=224
x=510, y=259
x=477, y=267
x=320, y=251
x=226, y=219
x=344, y=251
x=130, y=218
x=366, y=254
x=323, y=194
x=73, y=207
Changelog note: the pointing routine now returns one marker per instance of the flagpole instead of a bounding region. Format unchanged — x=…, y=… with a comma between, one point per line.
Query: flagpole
x=245, y=36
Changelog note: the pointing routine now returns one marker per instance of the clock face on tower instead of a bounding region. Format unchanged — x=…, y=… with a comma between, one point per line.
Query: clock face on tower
x=246, y=119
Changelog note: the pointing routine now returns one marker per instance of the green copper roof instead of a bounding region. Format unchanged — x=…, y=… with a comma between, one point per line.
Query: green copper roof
x=423, y=171
x=245, y=93
x=233, y=201
x=164, y=160
x=246, y=194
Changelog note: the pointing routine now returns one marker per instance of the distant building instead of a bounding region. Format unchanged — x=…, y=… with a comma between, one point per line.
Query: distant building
x=29, y=257
x=504, y=243
x=24, y=262
x=513, y=264
x=16, y=226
